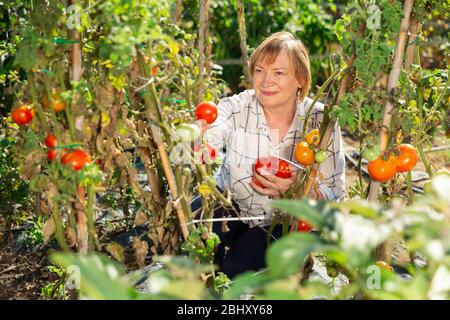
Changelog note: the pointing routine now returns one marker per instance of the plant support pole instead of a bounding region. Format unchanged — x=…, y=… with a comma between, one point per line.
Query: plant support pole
x=392, y=84
x=243, y=40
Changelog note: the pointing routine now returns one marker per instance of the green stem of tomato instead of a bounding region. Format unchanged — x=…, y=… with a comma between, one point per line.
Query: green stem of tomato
x=424, y=159
x=36, y=104
x=59, y=229
x=90, y=216
x=409, y=187
x=316, y=98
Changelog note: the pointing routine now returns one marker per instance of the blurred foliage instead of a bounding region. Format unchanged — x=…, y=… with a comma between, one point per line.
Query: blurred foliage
x=310, y=21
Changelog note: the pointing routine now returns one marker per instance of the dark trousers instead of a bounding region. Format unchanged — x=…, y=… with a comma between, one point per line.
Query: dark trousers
x=247, y=246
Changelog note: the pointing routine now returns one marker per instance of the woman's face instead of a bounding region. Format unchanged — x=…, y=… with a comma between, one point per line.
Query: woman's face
x=275, y=84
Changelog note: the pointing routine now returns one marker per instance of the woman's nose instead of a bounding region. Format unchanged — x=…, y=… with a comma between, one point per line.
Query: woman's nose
x=267, y=79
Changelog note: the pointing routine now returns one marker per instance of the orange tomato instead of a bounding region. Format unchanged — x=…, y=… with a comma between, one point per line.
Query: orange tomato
x=382, y=170
x=313, y=137
x=407, y=159
x=303, y=154
x=57, y=104
x=384, y=265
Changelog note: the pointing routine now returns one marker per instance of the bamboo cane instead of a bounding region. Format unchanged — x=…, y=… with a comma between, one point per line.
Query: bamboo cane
x=383, y=252
x=178, y=9
x=243, y=41
x=204, y=20
x=414, y=27
x=170, y=179
x=392, y=84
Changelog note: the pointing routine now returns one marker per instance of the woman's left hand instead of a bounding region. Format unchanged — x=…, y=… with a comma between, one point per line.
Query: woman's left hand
x=275, y=186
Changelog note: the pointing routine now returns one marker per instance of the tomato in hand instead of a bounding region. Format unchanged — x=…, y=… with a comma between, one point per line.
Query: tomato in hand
x=303, y=226
x=207, y=111
x=313, y=137
x=303, y=154
x=382, y=170
x=50, y=141
x=77, y=159
x=407, y=159
x=22, y=115
x=273, y=165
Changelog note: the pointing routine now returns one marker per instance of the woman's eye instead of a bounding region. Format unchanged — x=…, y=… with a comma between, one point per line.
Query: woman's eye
x=279, y=73
x=257, y=70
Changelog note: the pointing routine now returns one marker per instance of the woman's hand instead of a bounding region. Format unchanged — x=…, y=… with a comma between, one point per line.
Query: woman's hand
x=276, y=186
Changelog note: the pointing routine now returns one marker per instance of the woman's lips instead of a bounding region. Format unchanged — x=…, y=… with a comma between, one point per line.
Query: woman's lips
x=268, y=93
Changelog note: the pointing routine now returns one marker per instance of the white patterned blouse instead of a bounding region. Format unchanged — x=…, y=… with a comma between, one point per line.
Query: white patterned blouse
x=241, y=128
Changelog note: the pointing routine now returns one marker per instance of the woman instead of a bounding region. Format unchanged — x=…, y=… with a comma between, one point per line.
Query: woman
x=266, y=121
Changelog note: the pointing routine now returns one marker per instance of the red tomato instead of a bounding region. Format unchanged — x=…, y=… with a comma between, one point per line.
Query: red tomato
x=407, y=159
x=207, y=111
x=274, y=165
x=50, y=141
x=22, y=115
x=303, y=154
x=382, y=170
x=304, y=226
x=51, y=154
x=77, y=159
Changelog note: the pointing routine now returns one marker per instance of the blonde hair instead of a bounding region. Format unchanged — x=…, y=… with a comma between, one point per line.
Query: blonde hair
x=269, y=49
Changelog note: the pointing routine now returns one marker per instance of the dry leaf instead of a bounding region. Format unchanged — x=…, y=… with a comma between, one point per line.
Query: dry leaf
x=49, y=229
x=141, y=249
x=116, y=251
x=71, y=236
x=140, y=218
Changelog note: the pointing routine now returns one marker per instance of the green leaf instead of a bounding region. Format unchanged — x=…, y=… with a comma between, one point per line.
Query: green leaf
x=285, y=256
x=360, y=207
x=246, y=283
x=304, y=209
x=100, y=278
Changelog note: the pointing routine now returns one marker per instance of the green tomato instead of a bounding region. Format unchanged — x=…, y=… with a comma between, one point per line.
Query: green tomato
x=371, y=153
x=188, y=132
x=320, y=156
x=428, y=188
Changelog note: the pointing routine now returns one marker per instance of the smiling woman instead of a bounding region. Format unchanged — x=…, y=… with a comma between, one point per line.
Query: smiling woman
x=265, y=123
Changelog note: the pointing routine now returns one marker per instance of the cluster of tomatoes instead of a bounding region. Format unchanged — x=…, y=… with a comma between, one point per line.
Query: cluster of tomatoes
x=307, y=151
x=25, y=113
x=383, y=168
x=76, y=158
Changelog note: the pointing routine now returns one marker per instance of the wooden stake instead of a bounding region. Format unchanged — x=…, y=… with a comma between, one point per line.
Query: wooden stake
x=243, y=41
x=202, y=32
x=392, y=84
